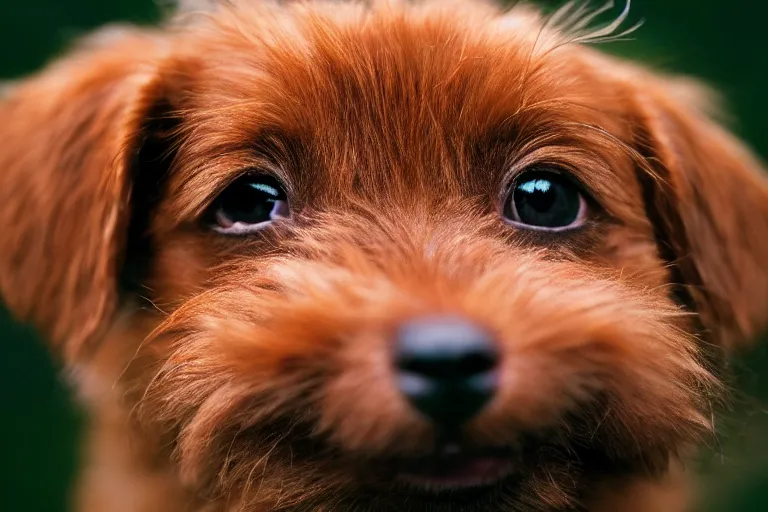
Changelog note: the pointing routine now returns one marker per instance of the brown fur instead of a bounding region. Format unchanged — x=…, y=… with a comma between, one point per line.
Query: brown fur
x=252, y=373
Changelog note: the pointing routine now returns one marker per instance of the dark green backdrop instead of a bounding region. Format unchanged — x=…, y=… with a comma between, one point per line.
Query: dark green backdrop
x=724, y=42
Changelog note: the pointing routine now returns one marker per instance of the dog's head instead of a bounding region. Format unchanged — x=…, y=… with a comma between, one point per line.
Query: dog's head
x=365, y=254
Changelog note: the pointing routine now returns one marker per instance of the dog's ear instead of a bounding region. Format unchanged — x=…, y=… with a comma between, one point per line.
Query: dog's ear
x=70, y=136
x=707, y=197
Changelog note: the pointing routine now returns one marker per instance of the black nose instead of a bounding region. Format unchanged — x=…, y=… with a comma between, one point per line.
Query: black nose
x=446, y=368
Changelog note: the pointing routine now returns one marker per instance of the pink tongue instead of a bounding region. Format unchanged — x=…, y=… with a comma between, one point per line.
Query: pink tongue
x=469, y=473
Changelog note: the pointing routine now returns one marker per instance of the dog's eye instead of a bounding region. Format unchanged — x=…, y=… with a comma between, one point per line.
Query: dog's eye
x=545, y=200
x=249, y=204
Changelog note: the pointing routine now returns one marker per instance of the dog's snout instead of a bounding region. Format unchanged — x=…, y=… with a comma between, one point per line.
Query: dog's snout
x=446, y=368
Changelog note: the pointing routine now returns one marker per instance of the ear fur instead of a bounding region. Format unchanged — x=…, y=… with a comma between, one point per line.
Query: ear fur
x=69, y=136
x=707, y=197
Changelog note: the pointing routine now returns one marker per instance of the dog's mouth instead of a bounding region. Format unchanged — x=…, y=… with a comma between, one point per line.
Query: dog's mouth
x=465, y=473
x=456, y=473
x=457, y=468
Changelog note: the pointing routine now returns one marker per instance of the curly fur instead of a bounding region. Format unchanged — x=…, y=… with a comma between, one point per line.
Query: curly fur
x=253, y=373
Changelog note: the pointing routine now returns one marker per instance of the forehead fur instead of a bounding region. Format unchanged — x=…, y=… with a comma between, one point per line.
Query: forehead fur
x=419, y=96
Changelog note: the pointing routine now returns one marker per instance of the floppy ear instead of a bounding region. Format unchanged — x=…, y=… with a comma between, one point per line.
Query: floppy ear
x=707, y=197
x=69, y=138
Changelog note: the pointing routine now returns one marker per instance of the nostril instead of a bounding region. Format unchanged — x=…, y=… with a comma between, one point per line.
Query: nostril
x=431, y=362
x=446, y=367
x=445, y=348
x=476, y=362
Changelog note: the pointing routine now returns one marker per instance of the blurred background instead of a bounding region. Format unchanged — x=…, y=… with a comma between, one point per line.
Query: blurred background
x=725, y=43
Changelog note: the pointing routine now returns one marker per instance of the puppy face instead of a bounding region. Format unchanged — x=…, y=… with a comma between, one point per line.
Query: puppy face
x=385, y=257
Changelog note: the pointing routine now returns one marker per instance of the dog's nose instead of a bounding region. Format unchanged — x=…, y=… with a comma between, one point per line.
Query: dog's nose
x=446, y=368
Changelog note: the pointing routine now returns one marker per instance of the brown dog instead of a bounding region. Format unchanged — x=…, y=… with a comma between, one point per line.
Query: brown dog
x=386, y=256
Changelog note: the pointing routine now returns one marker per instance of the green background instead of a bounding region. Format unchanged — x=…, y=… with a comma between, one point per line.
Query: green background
x=723, y=42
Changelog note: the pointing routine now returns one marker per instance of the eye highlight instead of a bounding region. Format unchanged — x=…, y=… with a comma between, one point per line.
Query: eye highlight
x=249, y=204
x=545, y=200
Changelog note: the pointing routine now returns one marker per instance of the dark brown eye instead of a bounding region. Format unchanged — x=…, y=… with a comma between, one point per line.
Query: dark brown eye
x=249, y=204
x=545, y=200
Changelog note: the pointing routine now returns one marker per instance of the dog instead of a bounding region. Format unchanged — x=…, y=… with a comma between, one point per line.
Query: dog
x=345, y=256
